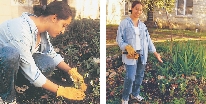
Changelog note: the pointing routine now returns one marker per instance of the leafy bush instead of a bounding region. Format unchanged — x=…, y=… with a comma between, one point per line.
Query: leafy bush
x=80, y=47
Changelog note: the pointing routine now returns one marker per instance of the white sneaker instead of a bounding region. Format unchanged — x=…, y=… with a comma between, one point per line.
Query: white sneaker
x=124, y=102
x=3, y=102
x=139, y=98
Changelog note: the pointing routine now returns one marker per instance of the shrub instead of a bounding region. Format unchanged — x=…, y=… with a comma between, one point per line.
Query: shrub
x=80, y=47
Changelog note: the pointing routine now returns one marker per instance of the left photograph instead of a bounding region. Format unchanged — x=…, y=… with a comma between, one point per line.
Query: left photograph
x=50, y=51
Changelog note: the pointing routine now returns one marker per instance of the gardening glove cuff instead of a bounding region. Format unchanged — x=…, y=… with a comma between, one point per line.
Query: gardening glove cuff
x=70, y=93
x=75, y=75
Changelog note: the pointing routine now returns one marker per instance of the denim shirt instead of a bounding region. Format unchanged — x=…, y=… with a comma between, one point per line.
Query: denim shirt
x=21, y=33
x=126, y=36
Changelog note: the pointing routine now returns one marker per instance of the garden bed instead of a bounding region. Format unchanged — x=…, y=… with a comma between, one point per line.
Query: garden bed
x=181, y=79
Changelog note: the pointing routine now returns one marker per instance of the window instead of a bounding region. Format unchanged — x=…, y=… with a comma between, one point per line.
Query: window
x=184, y=7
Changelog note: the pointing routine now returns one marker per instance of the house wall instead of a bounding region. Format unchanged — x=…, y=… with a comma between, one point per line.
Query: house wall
x=12, y=9
x=115, y=10
x=84, y=8
x=115, y=13
x=196, y=20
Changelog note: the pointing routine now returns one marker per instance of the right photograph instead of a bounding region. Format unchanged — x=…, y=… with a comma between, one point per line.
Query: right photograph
x=155, y=52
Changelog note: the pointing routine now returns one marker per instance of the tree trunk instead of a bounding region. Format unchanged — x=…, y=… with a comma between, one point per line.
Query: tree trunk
x=150, y=16
x=66, y=1
x=43, y=2
x=150, y=21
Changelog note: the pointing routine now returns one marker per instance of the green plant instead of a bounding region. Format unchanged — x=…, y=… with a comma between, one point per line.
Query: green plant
x=96, y=88
x=200, y=95
x=162, y=83
x=188, y=57
x=113, y=50
x=181, y=59
x=92, y=68
x=182, y=85
x=114, y=101
x=185, y=57
x=179, y=101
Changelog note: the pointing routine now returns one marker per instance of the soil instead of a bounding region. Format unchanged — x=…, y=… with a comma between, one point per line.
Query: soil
x=115, y=79
x=150, y=86
x=30, y=94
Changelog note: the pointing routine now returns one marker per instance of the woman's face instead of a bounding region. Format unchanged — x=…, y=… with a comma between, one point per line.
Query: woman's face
x=137, y=10
x=58, y=26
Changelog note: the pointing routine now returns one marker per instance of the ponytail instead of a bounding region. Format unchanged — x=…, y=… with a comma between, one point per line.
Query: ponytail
x=59, y=8
x=38, y=9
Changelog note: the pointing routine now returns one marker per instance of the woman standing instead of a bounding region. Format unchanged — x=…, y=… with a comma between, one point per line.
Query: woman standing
x=25, y=46
x=135, y=42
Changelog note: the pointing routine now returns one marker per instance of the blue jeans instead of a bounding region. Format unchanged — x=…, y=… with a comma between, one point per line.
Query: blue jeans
x=133, y=79
x=9, y=67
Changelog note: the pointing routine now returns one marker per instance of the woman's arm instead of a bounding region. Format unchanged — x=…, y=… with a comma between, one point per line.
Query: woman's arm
x=119, y=37
x=152, y=47
x=50, y=86
x=65, y=67
x=46, y=47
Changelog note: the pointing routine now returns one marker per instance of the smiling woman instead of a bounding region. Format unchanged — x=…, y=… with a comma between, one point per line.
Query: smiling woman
x=25, y=46
x=134, y=39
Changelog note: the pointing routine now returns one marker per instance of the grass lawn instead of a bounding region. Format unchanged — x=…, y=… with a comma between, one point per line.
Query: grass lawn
x=159, y=35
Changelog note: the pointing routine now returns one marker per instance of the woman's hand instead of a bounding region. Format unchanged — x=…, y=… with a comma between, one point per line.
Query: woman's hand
x=130, y=50
x=71, y=93
x=157, y=55
x=77, y=78
x=71, y=71
x=75, y=75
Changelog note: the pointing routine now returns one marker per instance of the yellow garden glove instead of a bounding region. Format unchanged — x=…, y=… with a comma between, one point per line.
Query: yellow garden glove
x=83, y=87
x=78, y=79
x=130, y=50
x=134, y=56
x=75, y=75
x=70, y=93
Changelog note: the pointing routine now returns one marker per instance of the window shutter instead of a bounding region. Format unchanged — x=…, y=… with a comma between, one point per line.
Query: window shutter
x=126, y=8
x=189, y=3
x=180, y=7
x=189, y=7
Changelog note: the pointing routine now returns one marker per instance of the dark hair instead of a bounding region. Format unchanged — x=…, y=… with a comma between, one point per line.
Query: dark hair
x=60, y=8
x=134, y=3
